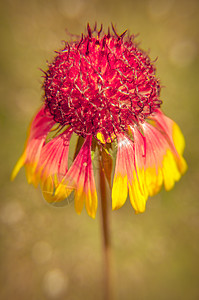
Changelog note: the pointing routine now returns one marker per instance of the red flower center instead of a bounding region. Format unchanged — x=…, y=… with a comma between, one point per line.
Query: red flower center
x=101, y=84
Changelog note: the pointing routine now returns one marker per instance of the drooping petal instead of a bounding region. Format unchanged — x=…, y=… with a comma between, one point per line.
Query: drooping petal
x=140, y=158
x=148, y=160
x=127, y=177
x=160, y=163
x=38, y=131
x=53, y=165
x=120, y=187
x=174, y=136
x=80, y=177
x=151, y=158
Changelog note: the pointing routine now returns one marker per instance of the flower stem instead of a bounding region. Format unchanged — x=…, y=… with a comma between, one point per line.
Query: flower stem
x=105, y=235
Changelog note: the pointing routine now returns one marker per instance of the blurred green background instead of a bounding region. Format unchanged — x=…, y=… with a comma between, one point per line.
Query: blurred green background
x=52, y=253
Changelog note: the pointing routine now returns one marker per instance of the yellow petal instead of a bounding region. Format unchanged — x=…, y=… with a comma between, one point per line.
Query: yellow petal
x=80, y=199
x=178, y=139
x=137, y=197
x=154, y=180
x=182, y=165
x=91, y=203
x=18, y=166
x=53, y=192
x=31, y=174
x=170, y=171
x=119, y=191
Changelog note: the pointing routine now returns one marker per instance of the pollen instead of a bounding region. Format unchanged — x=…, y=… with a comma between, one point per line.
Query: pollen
x=101, y=84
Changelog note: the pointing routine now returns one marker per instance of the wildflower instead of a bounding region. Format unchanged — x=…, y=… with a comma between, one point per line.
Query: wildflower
x=102, y=88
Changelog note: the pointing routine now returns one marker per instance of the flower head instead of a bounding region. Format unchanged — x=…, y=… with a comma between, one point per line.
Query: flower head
x=102, y=88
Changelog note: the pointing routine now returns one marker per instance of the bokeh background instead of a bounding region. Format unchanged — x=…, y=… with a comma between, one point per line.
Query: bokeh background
x=52, y=253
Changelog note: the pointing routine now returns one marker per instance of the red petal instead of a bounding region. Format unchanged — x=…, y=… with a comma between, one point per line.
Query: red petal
x=38, y=131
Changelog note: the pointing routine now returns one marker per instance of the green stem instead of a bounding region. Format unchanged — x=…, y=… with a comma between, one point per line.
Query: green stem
x=106, y=235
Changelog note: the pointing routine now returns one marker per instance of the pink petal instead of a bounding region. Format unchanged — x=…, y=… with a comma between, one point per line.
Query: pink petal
x=54, y=156
x=38, y=131
x=160, y=164
x=174, y=136
x=80, y=177
x=53, y=164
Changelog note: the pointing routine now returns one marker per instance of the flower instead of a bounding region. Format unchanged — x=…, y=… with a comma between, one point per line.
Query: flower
x=103, y=89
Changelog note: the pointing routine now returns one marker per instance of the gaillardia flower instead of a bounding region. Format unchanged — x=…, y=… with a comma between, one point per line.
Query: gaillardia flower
x=103, y=89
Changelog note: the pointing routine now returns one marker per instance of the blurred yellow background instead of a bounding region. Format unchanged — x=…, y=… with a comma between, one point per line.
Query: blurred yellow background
x=52, y=253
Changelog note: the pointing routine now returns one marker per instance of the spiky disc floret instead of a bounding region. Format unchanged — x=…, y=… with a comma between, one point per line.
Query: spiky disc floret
x=100, y=84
